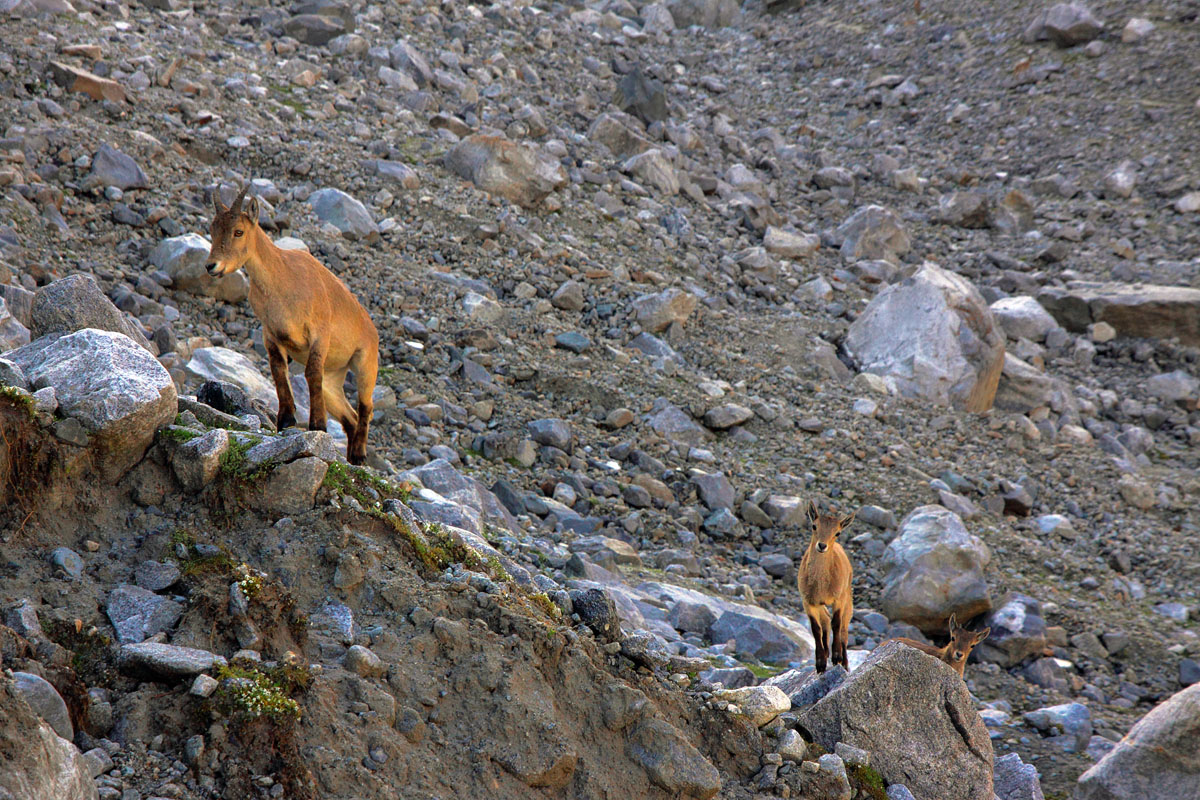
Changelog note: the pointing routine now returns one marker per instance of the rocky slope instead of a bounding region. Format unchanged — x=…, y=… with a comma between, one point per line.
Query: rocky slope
x=646, y=278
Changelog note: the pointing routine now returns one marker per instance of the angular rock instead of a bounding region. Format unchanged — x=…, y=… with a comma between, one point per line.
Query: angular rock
x=935, y=336
x=1012, y=779
x=45, y=701
x=761, y=638
x=292, y=488
x=642, y=95
x=74, y=79
x=166, y=660
x=620, y=137
x=705, y=13
x=138, y=614
x=726, y=416
x=345, y=213
x=552, y=432
x=116, y=390
x=1023, y=317
x=934, y=569
x=597, y=609
x=406, y=57
x=1018, y=632
x=759, y=704
x=75, y=302
x=657, y=312
x=1072, y=720
x=715, y=490
x=1134, y=310
x=520, y=174
x=314, y=29
x=195, y=462
x=156, y=575
x=671, y=762
x=942, y=750
x=1069, y=24
x=38, y=763
x=787, y=244
x=13, y=334
x=230, y=366
x=872, y=232
x=185, y=259
x=654, y=168
x=1023, y=387
x=806, y=686
x=671, y=422
x=111, y=167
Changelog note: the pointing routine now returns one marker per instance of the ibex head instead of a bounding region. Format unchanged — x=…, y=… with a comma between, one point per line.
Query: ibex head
x=230, y=232
x=962, y=642
x=825, y=526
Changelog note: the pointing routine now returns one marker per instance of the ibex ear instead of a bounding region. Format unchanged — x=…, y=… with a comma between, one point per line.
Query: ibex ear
x=953, y=622
x=983, y=634
x=810, y=511
x=250, y=209
x=845, y=521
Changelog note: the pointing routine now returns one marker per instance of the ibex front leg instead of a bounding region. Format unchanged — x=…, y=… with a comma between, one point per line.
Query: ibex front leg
x=283, y=387
x=314, y=373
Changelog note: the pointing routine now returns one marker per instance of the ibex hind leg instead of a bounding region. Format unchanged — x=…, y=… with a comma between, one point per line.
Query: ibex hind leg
x=818, y=619
x=366, y=371
x=841, y=631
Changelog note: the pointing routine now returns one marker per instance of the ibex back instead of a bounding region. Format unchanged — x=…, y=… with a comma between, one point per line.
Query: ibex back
x=824, y=579
x=307, y=315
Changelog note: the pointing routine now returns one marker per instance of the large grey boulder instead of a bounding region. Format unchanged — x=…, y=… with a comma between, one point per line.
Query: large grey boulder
x=643, y=95
x=519, y=173
x=345, y=213
x=933, y=334
x=115, y=389
x=941, y=750
x=934, y=569
x=1135, y=310
x=1158, y=758
x=75, y=302
x=38, y=763
x=45, y=701
x=185, y=259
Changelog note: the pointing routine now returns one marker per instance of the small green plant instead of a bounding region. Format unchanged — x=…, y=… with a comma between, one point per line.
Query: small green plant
x=178, y=434
x=497, y=570
x=19, y=397
x=233, y=465
x=249, y=692
x=363, y=485
x=869, y=781
x=196, y=564
x=542, y=601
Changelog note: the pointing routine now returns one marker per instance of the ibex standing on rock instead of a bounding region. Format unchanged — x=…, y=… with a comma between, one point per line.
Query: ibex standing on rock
x=824, y=580
x=308, y=315
x=962, y=642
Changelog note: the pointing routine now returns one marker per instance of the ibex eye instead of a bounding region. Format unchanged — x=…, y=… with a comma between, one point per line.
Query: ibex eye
x=237, y=233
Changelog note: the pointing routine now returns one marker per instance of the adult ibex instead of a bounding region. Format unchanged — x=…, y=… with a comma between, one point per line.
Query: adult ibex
x=962, y=642
x=824, y=580
x=308, y=315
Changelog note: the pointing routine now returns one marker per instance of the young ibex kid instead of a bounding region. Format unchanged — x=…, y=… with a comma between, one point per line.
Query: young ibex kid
x=308, y=315
x=824, y=580
x=962, y=642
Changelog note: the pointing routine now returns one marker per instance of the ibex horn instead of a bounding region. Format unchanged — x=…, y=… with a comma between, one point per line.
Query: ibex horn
x=216, y=198
x=237, y=201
